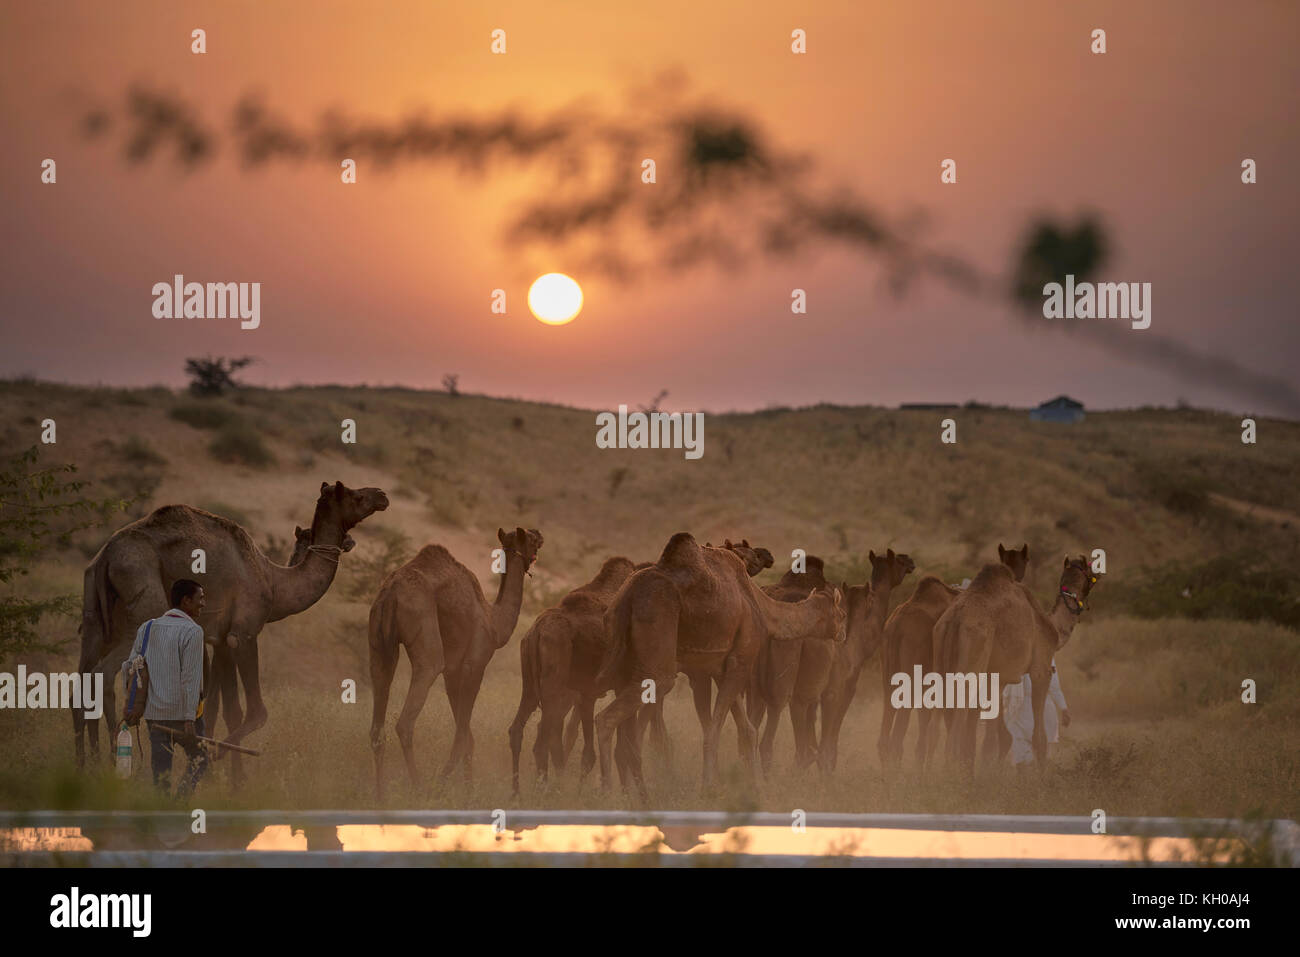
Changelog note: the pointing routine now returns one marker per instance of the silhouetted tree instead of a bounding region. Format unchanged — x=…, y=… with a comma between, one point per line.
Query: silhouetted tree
x=211, y=376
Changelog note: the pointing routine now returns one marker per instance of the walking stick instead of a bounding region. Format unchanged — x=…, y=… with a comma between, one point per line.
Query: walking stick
x=213, y=741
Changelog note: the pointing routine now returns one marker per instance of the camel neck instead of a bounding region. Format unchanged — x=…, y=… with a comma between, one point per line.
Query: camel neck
x=510, y=597
x=787, y=620
x=295, y=588
x=1063, y=621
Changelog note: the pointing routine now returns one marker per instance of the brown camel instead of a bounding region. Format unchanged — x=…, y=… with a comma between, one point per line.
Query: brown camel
x=695, y=611
x=434, y=607
x=908, y=642
x=796, y=673
x=221, y=686
x=997, y=627
x=887, y=573
x=756, y=559
x=558, y=659
x=126, y=584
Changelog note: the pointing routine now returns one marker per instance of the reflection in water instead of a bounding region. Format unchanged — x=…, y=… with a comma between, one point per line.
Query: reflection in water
x=633, y=839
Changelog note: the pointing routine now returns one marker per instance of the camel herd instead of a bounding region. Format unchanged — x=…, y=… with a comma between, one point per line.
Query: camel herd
x=749, y=652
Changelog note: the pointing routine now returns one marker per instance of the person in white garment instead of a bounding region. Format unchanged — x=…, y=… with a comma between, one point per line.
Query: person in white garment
x=1018, y=715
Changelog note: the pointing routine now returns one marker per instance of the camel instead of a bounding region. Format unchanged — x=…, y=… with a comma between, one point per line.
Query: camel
x=997, y=627
x=908, y=642
x=795, y=673
x=696, y=611
x=221, y=685
x=558, y=659
x=887, y=573
x=435, y=608
x=756, y=559
x=126, y=584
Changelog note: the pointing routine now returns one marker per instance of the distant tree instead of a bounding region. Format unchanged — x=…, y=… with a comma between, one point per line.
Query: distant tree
x=450, y=382
x=654, y=403
x=211, y=376
x=35, y=505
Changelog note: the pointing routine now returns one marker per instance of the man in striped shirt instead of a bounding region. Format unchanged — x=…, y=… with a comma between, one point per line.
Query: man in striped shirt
x=175, y=659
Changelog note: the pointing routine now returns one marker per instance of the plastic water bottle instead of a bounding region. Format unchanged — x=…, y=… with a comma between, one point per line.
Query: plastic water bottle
x=124, y=753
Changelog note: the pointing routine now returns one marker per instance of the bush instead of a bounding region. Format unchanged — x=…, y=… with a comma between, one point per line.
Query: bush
x=238, y=444
x=1224, y=587
x=203, y=415
x=139, y=452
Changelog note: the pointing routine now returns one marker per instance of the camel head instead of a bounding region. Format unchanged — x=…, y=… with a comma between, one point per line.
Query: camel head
x=840, y=608
x=755, y=559
x=1077, y=580
x=889, y=567
x=523, y=543
x=347, y=506
x=1016, y=560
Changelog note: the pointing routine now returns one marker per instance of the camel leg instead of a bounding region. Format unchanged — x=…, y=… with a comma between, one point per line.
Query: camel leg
x=902, y=718
x=246, y=661
x=989, y=755
x=925, y=738
x=571, y=732
x=550, y=733
x=746, y=735
x=734, y=680
x=528, y=703
x=626, y=703
x=888, y=740
x=769, y=736
x=702, y=695
x=383, y=665
x=223, y=698
x=586, y=709
x=426, y=664
x=462, y=693
x=828, y=753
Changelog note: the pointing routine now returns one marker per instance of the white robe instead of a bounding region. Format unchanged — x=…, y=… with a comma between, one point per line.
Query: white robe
x=1018, y=715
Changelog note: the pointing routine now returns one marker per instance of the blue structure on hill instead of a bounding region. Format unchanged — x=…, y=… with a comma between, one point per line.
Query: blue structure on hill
x=1060, y=409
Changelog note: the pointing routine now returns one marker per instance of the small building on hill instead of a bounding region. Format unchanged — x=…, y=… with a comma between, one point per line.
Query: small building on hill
x=1060, y=409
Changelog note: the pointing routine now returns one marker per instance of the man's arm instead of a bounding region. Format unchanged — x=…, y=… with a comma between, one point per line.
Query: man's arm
x=135, y=650
x=191, y=670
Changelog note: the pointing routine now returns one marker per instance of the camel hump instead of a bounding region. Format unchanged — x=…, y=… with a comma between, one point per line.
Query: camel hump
x=682, y=549
x=814, y=575
x=615, y=569
x=992, y=575
x=930, y=588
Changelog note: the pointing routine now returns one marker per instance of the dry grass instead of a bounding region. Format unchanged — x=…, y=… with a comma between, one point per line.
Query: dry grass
x=1159, y=727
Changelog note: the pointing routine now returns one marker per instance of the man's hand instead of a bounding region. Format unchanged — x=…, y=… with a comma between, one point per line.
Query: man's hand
x=1065, y=718
x=190, y=739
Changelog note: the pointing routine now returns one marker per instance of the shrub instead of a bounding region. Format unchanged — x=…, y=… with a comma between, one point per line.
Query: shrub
x=137, y=451
x=203, y=415
x=238, y=444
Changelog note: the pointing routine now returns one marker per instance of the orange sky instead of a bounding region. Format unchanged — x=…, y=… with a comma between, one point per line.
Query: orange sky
x=388, y=281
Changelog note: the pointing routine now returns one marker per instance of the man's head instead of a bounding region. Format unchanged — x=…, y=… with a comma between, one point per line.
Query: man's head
x=187, y=595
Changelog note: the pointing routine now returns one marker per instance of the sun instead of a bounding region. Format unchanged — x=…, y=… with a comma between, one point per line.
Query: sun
x=555, y=298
